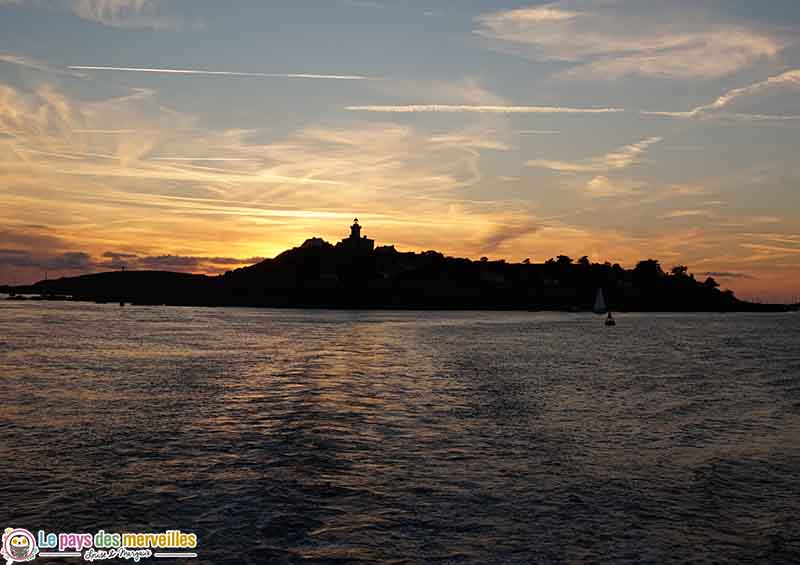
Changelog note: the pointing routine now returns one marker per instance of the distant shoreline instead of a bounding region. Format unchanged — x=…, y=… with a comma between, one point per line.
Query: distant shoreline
x=353, y=274
x=749, y=308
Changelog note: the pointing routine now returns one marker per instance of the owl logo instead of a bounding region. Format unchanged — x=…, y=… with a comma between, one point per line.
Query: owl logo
x=18, y=545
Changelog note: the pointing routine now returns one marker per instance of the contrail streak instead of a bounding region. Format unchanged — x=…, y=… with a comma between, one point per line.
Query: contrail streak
x=203, y=159
x=482, y=109
x=217, y=73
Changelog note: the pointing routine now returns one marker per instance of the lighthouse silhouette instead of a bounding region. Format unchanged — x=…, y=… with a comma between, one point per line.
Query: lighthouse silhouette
x=356, y=241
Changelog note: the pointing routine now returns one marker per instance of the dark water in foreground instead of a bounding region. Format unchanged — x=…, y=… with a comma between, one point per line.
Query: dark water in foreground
x=339, y=437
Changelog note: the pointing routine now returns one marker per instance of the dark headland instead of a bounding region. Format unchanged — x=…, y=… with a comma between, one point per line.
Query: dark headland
x=355, y=274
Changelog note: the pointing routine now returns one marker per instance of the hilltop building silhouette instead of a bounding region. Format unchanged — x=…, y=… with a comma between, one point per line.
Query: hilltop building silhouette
x=356, y=274
x=356, y=241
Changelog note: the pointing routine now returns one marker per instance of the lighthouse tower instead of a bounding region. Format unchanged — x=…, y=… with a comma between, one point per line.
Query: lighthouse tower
x=356, y=241
x=355, y=230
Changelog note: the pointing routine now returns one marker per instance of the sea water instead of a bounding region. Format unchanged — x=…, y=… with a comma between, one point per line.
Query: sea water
x=311, y=436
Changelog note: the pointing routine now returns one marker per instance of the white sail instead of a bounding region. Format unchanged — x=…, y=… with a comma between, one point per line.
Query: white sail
x=600, y=303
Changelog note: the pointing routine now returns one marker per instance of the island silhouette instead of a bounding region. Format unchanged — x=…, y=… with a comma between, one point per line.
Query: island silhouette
x=354, y=273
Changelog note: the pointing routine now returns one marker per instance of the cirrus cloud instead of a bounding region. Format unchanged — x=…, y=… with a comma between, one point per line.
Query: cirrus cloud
x=118, y=13
x=720, y=107
x=622, y=158
x=481, y=109
x=613, y=39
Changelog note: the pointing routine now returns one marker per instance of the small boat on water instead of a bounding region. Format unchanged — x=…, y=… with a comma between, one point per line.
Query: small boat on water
x=599, y=303
x=600, y=307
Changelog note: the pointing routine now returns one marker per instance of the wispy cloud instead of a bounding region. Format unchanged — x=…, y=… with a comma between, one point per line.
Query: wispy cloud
x=602, y=186
x=181, y=263
x=70, y=261
x=616, y=160
x=608, y=40
x=468, y=91
x=203, y=159
x=717, y=108
x=217, y=73
x=40, y=262
x=727, y=275
x=50, y=132
x=689, y=213
x=36, y=64
x=129, y=14
x=107, y=131
x=461, y=108
x=164, y=185
x=364, y=4
x=467, y=140
x=503, y=233
x=776, y=249
x=119, y=13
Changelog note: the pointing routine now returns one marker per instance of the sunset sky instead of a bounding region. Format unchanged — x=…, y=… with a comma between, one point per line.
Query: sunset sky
x=200, y=135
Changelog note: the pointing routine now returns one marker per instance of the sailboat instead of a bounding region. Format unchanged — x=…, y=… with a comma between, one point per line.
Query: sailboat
x=599, y=303
x=601, y=308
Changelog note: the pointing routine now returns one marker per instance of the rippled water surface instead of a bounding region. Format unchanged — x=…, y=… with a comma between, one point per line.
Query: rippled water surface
x=406, y=437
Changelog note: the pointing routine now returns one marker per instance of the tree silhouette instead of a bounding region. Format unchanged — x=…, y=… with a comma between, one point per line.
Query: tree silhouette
x=679, y=271
x=649, y=269
x=564, y=260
